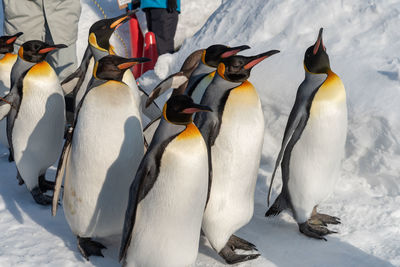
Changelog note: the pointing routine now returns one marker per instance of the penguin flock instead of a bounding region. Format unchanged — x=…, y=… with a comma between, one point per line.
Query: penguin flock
x=161, y=177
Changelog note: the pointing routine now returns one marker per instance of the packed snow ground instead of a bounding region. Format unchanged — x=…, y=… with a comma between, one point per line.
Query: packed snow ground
x=362, y=40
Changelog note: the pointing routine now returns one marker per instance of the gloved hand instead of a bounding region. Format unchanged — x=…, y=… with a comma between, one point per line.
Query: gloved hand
x=172, y=6
x=135, y=4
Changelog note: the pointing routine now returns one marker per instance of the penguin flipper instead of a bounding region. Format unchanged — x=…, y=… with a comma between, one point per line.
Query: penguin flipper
x=152, y=111
x=136, y=194
x=6, y=104
x=74, y=81
x=60, y=170
x=150, y=129
x=173, y=81
x=279, y=205
x=296, y=122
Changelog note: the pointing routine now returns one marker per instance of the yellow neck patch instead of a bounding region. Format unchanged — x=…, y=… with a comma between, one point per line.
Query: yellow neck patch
x=244, y=95
x=41, y=69
x=331, y=91
x=93, y=42
x=8, y=58
x=191, y=131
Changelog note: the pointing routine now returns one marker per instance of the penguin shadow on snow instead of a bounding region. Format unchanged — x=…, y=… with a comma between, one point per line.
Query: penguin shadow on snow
x=12, y=194
x=279, y=241
x=19, y=198
x=107, y=193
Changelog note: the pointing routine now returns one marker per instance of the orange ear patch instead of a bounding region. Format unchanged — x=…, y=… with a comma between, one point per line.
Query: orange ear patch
x=221, y=70
x=21, y=52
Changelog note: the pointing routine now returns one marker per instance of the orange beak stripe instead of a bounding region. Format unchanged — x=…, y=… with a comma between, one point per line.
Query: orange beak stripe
x=126, y=65
x=117, y=22
x=11, y=40
x=46, y=50
x=254, y=62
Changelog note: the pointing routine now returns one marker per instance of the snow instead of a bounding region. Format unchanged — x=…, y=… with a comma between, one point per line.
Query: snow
x=362, y=41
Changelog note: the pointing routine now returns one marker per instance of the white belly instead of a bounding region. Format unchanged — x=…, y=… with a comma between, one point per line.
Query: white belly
x=38, y=131
x=106, y=150
x=316, y=157
x=129, y=79
x=235, y=162
x=5, y=71
x=168, y=219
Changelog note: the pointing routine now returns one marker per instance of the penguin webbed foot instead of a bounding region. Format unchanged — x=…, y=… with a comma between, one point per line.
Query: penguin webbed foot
x=45, y=185
x=41, y=198
x=231, y=257
x=325, y=219
x=316, y=231
x=236, y=242
x=88, y=247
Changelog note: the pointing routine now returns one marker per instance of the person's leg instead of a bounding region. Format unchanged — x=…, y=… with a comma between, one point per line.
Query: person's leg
x=163, y=24
x=26, y=17
x=62, y=17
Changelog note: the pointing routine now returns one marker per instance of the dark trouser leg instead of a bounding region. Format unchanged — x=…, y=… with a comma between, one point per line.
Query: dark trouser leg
x=163, y=24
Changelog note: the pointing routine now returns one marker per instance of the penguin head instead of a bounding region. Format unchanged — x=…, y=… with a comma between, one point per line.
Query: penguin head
x=179, y=109
x=101, y=31
x=215, y=53
x=237, y=68
x=7, y=43
x=113, y=67
x=316, y=60
x=35, y=51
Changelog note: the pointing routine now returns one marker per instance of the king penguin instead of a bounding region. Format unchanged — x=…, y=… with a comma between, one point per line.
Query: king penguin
x=100, y=156
x=168, y=196
x=234, y=134
x=36, y=117
x=7, y=60
x=199, y=68
x=195, y=75
x=313, y=144
x=98, y=47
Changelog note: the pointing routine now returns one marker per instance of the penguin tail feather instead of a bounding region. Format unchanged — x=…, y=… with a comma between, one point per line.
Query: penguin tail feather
x=279, y=205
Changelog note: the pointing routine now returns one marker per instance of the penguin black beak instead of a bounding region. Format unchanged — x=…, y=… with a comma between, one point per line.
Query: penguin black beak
x=122, y=19
x=231, y=51
x=196, y=108
x=51, y=48
x=131, y=62
x=319, y=42
x=13, y=38
x=258, y=58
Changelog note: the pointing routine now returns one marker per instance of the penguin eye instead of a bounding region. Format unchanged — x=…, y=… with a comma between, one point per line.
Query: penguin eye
x=103, y=27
